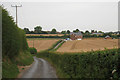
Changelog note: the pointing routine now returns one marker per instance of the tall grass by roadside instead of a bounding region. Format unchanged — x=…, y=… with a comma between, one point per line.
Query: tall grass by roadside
x=94, y=64
x=10, y=66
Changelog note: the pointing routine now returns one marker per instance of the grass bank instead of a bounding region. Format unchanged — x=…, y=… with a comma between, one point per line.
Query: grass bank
x=94, y=64
x=14, y=47
x=10, y=66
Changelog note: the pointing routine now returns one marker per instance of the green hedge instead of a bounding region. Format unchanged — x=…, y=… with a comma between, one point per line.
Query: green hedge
x=54, y=45
x=59, y=46
x=94, y=64
x=65, y=36
x=14, y=47
x=13, y=38
x=33, y=50
x=99, y=36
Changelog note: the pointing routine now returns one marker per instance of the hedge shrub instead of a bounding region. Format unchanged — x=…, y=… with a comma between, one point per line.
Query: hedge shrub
x=13, y=38
x=33, y=50
x=94, y=64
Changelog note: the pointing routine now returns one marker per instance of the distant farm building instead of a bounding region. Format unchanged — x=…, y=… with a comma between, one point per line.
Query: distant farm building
x=108, y=37
x=76, y=36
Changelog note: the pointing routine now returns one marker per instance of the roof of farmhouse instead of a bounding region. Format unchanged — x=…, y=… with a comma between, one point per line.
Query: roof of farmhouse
x=76, y=33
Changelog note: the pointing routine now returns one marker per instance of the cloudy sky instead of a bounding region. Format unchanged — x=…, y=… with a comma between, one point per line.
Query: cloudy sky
x=66, y=15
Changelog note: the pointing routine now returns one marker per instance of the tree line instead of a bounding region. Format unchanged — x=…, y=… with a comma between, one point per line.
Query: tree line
x=38, y=30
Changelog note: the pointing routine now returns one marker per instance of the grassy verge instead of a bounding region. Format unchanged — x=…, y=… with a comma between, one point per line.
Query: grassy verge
x=94, y=64
x=9, y=66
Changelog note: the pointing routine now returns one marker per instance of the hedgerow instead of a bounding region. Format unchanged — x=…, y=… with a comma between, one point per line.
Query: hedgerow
x=13, y=38
x=94, y=64
x=53, y=46
x=63, y=37
x=14, y=47
x=33, y=50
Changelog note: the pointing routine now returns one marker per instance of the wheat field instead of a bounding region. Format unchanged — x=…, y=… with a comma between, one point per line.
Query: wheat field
x=41, y=44
x=88, y=45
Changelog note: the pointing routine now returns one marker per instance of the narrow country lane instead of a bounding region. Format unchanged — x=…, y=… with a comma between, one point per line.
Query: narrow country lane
x=40, y=69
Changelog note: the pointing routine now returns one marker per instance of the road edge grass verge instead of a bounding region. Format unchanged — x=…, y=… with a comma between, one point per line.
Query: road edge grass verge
x=10, y=66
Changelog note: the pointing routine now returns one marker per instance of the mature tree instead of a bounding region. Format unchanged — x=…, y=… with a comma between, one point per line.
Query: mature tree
x=38, y=29
x=63, y=32
x=26, y=30
x=82, y=32
x=53, y=31
x=95, y=31
x=68, y=31
x=100, y=32
x=77, y=30
x=87, y=32
x=92, y=31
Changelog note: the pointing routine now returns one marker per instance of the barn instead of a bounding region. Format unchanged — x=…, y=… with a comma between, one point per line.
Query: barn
x=76, y=36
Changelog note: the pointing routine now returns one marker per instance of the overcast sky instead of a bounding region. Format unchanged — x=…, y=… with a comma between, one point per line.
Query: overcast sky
x=66, y=15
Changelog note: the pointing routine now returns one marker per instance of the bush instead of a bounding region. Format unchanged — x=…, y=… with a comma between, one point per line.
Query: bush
x=33, y=50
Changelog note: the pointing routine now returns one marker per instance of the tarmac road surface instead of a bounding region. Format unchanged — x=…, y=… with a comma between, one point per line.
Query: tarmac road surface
x=39, y=69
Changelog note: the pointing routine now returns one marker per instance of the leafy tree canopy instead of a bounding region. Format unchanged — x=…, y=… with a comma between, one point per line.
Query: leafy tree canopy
x=38, y=29
x=63, y=32
x=68, y=31
x=53, y=31
x=26, y=30
x=77, y=30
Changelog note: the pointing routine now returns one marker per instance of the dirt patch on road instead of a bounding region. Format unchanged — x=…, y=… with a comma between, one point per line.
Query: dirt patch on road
x=88, y=45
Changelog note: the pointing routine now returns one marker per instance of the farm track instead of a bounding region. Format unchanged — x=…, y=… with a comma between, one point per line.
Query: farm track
x=58, y=44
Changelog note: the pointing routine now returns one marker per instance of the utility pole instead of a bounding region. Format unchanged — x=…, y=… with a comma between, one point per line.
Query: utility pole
x=33, y=43
x=16, y=6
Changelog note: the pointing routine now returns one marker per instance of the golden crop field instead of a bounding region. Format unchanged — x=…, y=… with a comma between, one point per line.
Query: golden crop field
x=88, y=45
x=44, y=34
x=41, y=44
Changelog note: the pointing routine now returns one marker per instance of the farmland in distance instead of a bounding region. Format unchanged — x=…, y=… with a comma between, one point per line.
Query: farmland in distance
x=88, y=45
x=41, y=44
x=44, y=34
